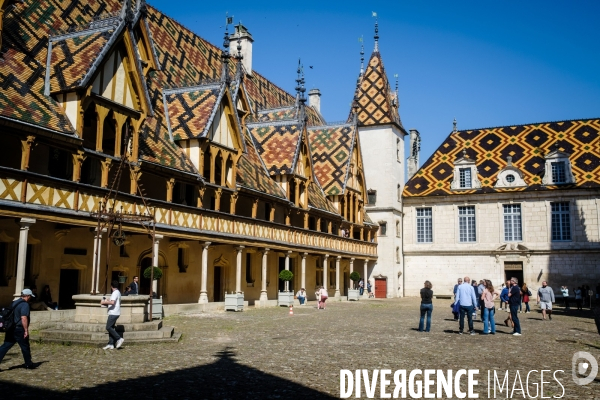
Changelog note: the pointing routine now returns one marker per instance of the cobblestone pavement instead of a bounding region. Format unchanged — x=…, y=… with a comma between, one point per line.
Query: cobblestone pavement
x=265, y=353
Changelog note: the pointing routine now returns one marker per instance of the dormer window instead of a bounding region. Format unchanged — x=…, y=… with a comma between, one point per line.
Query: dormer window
x=510, y=176
x=558, y=172
x=558, y=168
x=465, y=174
x=465, y=178
x=372, y=197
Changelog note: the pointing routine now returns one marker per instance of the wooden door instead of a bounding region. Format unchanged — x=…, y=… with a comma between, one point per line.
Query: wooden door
x=68, y=287
x=380, y=288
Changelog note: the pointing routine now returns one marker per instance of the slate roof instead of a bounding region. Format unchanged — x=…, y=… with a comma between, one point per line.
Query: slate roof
x=331, y=148
x=277, y=143
x=375, y=99
x=526, y=144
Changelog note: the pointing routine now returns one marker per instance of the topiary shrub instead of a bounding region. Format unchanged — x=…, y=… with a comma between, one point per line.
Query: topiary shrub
x=286, y=275
x=355, y=276
x=157, y=273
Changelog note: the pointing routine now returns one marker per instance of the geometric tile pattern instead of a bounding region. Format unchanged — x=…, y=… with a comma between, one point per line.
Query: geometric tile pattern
x=190, y=111
x=526, y=144
x=277, y=144
x=251, y=172
x=331, y=149
x=265, y=94
x=313, y=118
x=72, y=58
x=375, y=99
x=317, y=199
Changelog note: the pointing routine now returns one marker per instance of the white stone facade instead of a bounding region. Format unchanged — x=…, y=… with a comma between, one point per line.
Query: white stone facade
x=571, y=262
x=383, y=155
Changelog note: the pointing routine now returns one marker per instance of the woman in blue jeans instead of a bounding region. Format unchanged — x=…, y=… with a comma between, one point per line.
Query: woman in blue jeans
x=426, y=306
x=488, y=296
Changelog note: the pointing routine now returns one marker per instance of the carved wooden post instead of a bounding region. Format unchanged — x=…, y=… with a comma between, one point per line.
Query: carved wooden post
x=78, y=159
x=26, y=150
x=105, y=170
x=255, y=208
x=272, y=212
x=101, y=114
x=218, y=193
x=170, y=186
x=135, y=175
x=232, y=202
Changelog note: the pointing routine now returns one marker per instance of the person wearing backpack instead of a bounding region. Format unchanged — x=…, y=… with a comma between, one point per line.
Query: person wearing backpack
x=19, y=332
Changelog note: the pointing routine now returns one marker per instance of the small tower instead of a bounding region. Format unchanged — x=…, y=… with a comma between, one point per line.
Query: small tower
x=415, y=149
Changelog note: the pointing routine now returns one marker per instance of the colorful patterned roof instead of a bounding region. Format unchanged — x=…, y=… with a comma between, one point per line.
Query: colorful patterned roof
x=374, y=97
x=191, y=110
x=252, y=173
x=277, y=114
x=277, y=143
x=265, y=94
x=317, y=199
x=526, y=144
x=331, y=149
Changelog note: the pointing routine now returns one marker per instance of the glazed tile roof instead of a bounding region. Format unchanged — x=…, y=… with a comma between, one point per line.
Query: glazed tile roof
x=331, y=148
x=313, y=118
x=72, y=58
x=317, y=199
x=191, y=110
x=526, y=144
x=252, y=173
x=277, y=143
x=375, y=99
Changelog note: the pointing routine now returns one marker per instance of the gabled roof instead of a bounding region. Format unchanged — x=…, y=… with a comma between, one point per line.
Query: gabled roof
x=252, y=173
x=526, y=144
x=290, y=112
x=317, y=199
x=191, y=110
x=375, y=99
x=278, y=144
x=331, y=148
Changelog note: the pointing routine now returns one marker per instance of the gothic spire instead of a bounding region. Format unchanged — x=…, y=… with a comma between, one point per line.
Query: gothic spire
x=362, y=57
x=376, y=37
x=225, y=56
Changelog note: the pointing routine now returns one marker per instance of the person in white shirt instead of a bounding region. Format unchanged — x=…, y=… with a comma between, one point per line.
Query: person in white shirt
x=301, y=296
x=114, y=312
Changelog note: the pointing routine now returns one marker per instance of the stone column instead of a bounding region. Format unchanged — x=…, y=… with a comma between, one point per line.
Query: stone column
x=203, y=293
x=157, y=239
x=325, y=270
x=263, y=277
x=238, y=269
x=22, y=254
x=96, y=261
x=303, y=279
x=337, y=276
x=351, y=271
x=287, y=267
x=365, y=293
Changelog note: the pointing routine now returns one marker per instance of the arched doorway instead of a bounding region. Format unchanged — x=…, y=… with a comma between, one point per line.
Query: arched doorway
x=145, y=261
x=220, y=268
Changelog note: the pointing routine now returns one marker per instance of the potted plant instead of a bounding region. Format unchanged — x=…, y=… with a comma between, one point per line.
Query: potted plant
x=354, y=294
x=286, y=298
x=156, y=303
x=122, y=278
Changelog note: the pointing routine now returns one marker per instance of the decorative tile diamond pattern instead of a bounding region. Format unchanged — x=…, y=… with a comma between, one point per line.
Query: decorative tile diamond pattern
x=331, y=149
x=375, y=97
x=277, y=145
x=190, y=111
x=317, y=199
x=526, y=144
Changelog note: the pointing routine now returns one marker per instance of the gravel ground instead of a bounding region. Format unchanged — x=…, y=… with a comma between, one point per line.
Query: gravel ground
x=266, y=353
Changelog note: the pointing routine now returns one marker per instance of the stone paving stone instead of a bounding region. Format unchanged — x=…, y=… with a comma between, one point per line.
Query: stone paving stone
x=265, y=353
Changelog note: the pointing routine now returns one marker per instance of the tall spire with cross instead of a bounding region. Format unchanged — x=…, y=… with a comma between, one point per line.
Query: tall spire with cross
x=376, y=37
x=225, y=56
x=362, y=56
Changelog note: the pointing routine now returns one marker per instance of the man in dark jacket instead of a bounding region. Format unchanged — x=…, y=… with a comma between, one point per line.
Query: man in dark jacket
x=19, y=333
x=135, y=286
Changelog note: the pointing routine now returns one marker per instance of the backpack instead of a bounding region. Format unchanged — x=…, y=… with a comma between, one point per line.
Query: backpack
x=7, y=318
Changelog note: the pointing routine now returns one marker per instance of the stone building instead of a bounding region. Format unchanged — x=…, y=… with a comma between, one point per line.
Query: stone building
x=115, y=98
x=494, y=203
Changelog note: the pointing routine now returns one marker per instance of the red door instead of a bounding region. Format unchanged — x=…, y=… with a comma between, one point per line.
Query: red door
x=380, y=288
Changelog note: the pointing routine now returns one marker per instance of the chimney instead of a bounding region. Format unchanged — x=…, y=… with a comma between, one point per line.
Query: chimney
x=246, y=42
x=314, y=99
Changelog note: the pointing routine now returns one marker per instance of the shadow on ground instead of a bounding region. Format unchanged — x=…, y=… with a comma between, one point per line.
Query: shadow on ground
x=223, y=379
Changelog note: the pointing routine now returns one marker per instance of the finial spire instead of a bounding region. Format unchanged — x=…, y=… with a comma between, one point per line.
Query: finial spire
x=362, y=56
x=454, y=124
x=376, y=32
x=396, y=101
x=225, y=56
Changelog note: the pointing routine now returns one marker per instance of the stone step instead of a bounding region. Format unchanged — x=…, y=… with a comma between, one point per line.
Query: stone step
x=101, y=343
x=87, y=327
x=163, y=332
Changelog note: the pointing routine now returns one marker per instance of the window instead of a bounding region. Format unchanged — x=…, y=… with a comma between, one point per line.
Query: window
x=510, y=178
x=398, y=229
x=512, y=223
x=397, y=255
x=249, y=277
x=398, y=151
x=465, y=177
x=182, y=259
x=424, y=225
x=382, y=228
x=561, y=222
x=558, y=172
x=399, y=192
x=466, y=224
x=372, y=196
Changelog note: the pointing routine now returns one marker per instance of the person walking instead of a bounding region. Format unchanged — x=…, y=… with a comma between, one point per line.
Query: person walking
x=19, y=333
x=114, y=312
x=504, y=296
x=323, y=295
x=426, y=306
x=564, y=290
x=503, y=299
x=479, y=293
x=301, y=295
x=454, y=291
x=579, y=298
x=489, y=296
x=514, y=300
x=134, y=286
x=465, y=297
x=545, y=298
x=526, y=293
x=476, y=290
x=361, y=287
x=369, y=291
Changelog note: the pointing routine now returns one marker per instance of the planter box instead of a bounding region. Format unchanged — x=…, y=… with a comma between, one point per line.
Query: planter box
x=353, y=294
x=157, y=308
x=285, y=299
x=234, y=302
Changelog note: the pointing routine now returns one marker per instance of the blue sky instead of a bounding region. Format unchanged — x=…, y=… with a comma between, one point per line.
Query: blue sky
x=485, y=63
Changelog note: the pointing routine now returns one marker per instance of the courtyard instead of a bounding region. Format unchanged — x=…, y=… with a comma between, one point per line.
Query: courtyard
x=266, y=353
